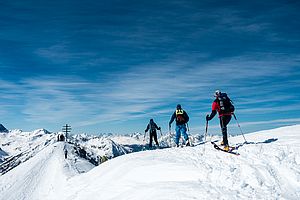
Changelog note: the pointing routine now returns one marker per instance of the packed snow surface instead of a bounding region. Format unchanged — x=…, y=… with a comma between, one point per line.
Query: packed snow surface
x=268, y=167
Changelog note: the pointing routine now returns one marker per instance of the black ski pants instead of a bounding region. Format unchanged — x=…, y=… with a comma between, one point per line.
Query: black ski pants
x=224, y=121
x=153, y=134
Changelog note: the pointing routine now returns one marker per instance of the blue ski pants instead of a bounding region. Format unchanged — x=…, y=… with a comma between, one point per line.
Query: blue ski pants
x=180, y=130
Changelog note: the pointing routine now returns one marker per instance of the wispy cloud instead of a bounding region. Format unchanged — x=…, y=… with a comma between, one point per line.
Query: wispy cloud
x=277, y=121
x=145, y=90
x=128, y=61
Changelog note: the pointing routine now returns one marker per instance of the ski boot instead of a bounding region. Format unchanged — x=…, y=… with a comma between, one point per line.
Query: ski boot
x=226, y=148
x=187, y=143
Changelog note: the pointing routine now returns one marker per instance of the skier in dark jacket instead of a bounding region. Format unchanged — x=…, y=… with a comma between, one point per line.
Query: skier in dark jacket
x=152, y=126
x=65, y=151
x=181, y=118
x=222, y=105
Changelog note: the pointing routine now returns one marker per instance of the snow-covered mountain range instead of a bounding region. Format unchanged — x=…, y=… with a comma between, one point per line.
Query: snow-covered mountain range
x=17, y=146
x=33, y=166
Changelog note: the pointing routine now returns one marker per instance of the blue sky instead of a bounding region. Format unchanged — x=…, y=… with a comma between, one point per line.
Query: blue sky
x=110, y=66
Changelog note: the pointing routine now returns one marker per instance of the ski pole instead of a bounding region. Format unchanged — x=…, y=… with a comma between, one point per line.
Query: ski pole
x=239, y=127
x=206, y=128
x=205, y=134
x=160, y=132
x=188, y=128
x=189, y=140
x=144, y=136
x=170, y=135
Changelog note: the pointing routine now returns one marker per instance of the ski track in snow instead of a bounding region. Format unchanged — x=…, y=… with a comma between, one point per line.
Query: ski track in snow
x=268, y=168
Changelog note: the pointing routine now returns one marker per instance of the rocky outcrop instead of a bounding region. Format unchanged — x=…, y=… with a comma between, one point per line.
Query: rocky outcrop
x=3, y=129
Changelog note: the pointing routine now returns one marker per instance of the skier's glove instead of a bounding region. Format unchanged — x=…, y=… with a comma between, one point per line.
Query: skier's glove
x=208, y=118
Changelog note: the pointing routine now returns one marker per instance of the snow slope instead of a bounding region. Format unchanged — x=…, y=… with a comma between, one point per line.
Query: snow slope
x=268, y=167
x=44, y=176
x=18, y=146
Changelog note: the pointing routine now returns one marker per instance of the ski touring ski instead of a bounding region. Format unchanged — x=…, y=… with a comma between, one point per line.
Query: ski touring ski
x=221, y=149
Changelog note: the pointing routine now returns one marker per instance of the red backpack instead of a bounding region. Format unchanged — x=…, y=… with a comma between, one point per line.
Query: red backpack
x=179, y=116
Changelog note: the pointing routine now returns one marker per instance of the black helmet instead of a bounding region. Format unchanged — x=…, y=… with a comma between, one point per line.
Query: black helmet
x=151, y=120
x=178, y=106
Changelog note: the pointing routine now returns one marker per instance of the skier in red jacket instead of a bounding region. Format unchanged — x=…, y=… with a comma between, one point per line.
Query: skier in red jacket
x=222, y=104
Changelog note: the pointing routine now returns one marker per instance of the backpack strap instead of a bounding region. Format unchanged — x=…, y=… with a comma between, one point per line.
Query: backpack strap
x=179, y=112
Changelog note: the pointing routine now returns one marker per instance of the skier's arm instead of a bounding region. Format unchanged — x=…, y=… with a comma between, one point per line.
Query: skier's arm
x=172, y=118
x=213, y=111
x=158, y=128
x=186, y=117
x=147, y=128
x=211, y=116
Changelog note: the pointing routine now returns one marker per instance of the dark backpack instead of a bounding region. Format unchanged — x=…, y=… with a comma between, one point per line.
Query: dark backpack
x=180, y=116
x=152, y=126
x=225, y=104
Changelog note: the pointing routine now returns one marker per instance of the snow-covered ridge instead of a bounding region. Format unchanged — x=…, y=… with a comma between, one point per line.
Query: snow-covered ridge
x=18, y=146
x=268, y=167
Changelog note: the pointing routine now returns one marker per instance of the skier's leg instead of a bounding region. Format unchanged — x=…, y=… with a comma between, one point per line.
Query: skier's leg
x=151, y=137
x=224, y=130
x=226, y=121
x=184, y=134
x=155, y=138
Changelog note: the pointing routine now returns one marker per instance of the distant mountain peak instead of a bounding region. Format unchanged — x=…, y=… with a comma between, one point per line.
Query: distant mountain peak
x=42, y=130
x=3, y=129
